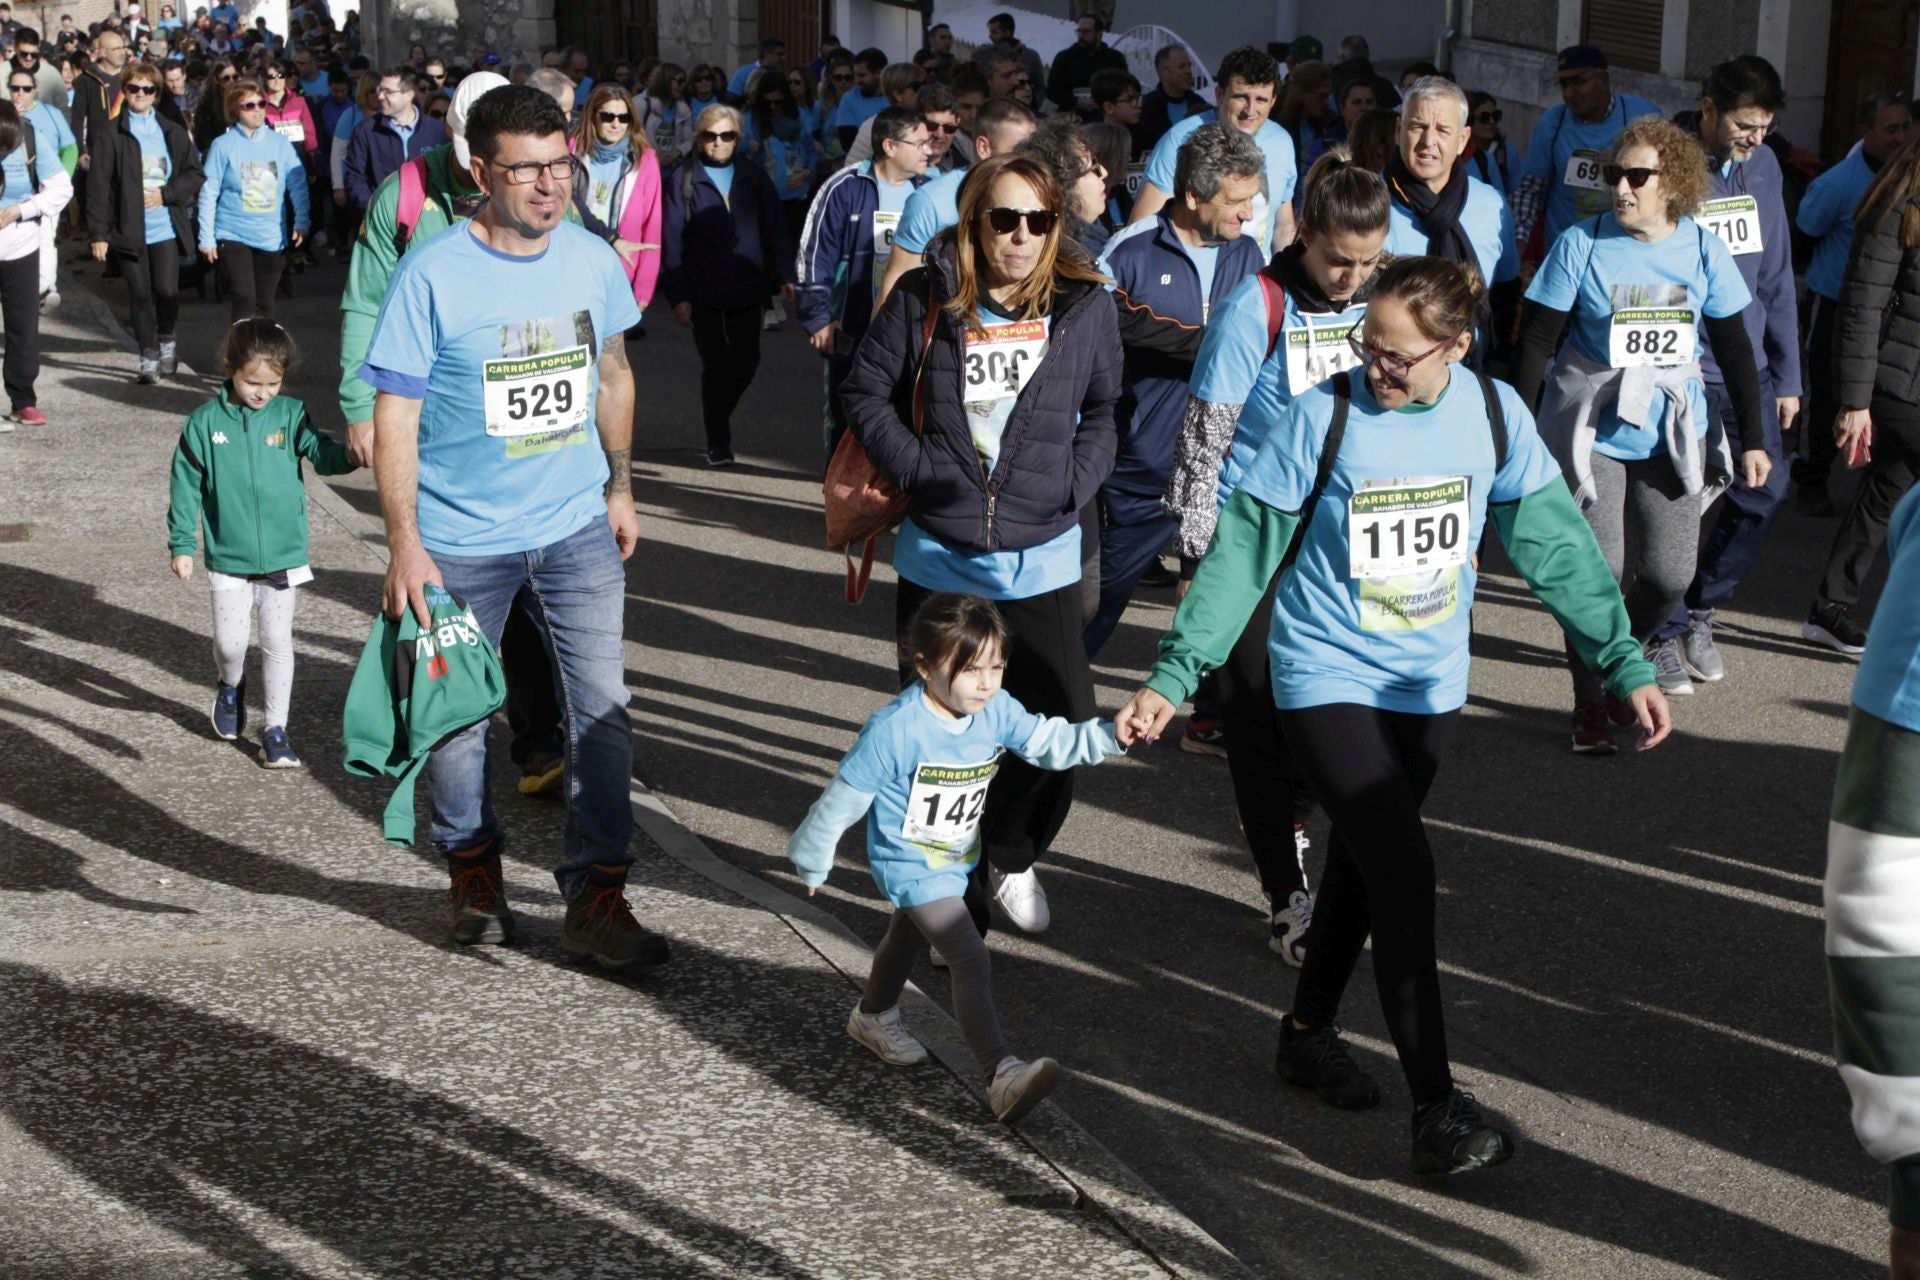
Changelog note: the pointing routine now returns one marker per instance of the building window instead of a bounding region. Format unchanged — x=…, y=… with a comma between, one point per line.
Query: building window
x=1628, y=30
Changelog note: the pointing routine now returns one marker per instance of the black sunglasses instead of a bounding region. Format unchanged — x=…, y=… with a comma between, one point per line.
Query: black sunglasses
x=143, y=88
x=725, y=135
x=1487, y=117
x=846, y=79
x=1636, y=178
x=1039, y=221
x=948, y=129
x=613, y=117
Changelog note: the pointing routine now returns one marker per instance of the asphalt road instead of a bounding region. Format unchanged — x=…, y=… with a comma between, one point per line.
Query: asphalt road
x=1631, y=947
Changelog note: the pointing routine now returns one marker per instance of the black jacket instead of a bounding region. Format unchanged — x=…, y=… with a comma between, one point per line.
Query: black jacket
x=1073, y=68
x=1155, y=119
x=727, y=253
x=116, y=208
x=1059, y=443
x=93, y=98
x=1876, y=334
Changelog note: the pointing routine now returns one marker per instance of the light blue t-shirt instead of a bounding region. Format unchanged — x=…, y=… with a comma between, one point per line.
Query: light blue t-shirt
x=349, y=120
x=1826, y=213
x=1233, y=366
x=16, y=184
x=1280, y=176
x=1205, y=258
x=247, y=180
x=1394, y=640
x=52, y=134
x=1593, y=277
x=856, y=108
x=997, y=369
x=504, y=353
x=156, y=170
x=1888, y=685
x=722, y=178
x=928, y=777
x=604, y=168
x=1177, y=109
x=886, y=224
x=1486, y=220
x=1557, y=139
x=932, y=208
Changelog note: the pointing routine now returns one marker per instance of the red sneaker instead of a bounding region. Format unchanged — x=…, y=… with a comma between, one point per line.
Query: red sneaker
x=1621, y=712
x=28, y=417
x=1592, y=734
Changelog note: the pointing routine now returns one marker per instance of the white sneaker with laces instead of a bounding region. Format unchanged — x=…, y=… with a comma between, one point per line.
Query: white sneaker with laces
x=1290, y=925
x=1022, y=898
x=1018, y=1087
x=883, y=1033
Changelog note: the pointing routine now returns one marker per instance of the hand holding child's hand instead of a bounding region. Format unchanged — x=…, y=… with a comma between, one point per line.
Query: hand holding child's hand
x=182, y=567
x=1143, y=718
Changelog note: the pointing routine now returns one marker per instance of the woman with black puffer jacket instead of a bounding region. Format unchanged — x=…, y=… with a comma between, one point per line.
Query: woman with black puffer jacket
x=1018, y=369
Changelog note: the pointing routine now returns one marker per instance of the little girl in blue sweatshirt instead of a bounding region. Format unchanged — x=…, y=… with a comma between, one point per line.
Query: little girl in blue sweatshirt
x=919, y=775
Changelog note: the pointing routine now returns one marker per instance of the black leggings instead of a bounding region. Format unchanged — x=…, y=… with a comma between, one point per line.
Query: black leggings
x=20, y=304
x=1371, y=769
x=1267, y=786
x=729, y=347
x=252, y=277
x=1863, y=527
x=153, y=291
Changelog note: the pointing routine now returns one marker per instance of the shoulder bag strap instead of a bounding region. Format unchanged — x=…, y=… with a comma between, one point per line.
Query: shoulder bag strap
x=1496, y=421
x=1329, y=454
x=857, y=575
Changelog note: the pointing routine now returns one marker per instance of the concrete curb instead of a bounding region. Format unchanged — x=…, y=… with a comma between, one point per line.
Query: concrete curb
x=1102, y=1183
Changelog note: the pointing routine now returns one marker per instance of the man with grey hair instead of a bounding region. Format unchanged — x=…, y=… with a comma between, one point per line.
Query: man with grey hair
x=556, y=84
x=1438, y=207
x=1175, y=265
x=1173, y=99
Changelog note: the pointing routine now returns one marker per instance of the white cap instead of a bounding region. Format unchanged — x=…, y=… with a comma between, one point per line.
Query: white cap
x=470, y=91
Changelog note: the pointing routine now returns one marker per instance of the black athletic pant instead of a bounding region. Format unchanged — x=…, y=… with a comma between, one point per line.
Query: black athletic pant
x=1267, y=788
x=1813, y=462
x=1863, y=527
x=1371, y=770
x=252, y=277
x=153, y=291
x=20, y=309
x=1047, y=673
x=533, y=708
x=729, y=347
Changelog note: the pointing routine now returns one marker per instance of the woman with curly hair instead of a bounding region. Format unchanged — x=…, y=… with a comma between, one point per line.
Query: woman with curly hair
x=1625, y=409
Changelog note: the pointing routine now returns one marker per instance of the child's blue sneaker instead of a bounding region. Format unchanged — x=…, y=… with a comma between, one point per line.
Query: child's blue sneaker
x=229, y=714
x=275, y=751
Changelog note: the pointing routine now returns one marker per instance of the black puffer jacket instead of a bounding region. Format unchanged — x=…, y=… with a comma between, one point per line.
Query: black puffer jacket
x=1877, y=329
x=1059, y=443
x=116, y=198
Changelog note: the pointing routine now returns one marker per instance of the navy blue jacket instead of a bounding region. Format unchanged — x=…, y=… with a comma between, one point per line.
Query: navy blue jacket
x=835, y=270
x=1155, y=119
x=1152, y=274
x=727, y=253
x=1059, y=442
x=376, y=150
x=1773, y=317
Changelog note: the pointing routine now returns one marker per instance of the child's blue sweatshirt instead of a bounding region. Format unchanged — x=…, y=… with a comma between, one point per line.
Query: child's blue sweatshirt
x=921, y=780
x=247, y=180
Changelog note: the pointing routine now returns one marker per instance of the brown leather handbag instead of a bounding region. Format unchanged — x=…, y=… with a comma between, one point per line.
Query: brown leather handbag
x=861, y=503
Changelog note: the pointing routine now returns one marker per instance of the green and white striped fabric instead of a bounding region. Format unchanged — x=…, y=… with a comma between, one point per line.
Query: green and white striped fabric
x=1873, y=945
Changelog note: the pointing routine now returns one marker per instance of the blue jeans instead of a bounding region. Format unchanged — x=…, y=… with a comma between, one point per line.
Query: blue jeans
x=577, y=595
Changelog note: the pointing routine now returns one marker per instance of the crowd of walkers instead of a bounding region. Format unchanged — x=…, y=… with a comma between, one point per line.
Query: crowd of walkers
x=1306, y=339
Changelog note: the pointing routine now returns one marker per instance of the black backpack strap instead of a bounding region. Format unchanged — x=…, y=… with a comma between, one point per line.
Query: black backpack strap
x=1496, y=420
x=33, y=155
x=1329, y=455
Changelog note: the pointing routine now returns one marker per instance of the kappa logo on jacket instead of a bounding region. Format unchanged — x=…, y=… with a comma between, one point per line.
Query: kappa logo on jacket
x=219, y=437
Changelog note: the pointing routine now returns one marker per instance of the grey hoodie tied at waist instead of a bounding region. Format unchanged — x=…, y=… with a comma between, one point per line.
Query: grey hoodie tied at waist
x=1580, y=391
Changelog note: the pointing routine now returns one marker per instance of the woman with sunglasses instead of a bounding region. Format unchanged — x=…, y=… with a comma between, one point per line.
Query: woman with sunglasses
x=251, y=171
x=289, y=116
x=664, y=116
x=1625, y=407
x=617, y=190
x=775, y=136
x=210, y=121
x=142, y=181
x=1487, y=149
x=1367, y=501
x=806, y=101
x=727, y=248
x=1019, y=375
x=705, y=85
x=836, y=82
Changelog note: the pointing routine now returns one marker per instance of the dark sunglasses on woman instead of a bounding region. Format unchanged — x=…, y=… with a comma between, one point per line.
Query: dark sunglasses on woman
x=725, y=135
x=1039, y=221
x=614, y=117
x=1636, y=178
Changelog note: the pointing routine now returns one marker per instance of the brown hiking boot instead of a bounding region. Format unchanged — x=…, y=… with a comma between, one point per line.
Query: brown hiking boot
x=600, y=924
x=477, y=897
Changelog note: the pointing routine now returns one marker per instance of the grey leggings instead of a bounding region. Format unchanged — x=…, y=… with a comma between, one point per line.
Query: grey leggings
x=1666, y=547
x=949, y=926
x=232, y=621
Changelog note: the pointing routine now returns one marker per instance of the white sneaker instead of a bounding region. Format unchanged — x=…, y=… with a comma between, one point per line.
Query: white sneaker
x=1290, y=925
x=769, y=321
x=1018, y=1087
x=882, y=1033
x=1022, y=898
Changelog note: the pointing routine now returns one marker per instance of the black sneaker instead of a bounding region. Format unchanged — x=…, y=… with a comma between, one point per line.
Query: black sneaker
x=719, y=457
x=1813, y=500
x=1833, y=626
x=1450, y=1137
x=600, y=924
x=1318, y=1060
x=478, y=899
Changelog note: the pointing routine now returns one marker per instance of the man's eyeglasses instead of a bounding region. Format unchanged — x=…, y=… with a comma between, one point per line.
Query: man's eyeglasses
x=721, y=135
x=614, y=117
x=26, y=55
x=1395, y=367
x=19, y=88
x=1039, y=221
x=1636, y=178
x=560, y=169
x=1759, y=130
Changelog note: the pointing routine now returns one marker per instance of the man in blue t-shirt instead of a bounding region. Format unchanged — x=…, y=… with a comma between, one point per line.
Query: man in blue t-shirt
x=1173, y=99
x=773, y=57
x=1248, y=80
x=499, y=342
x=1561, y=173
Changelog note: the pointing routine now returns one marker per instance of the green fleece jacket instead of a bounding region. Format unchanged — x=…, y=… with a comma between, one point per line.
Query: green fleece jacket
x=236, y=475
x=1545, y=537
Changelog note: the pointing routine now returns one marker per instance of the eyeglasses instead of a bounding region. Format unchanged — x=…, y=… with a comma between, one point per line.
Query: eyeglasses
x=1039, y=221
x=1487, y=117
x=614, y=117
x=560, y=169
x=1395, y=367
x=26, y=55
x=20, y=88
x=276, y=75
x=437, y=79
x=255, y=105
x=846, y=79
x=724, y=135
x=1636, y=178
x=948, y=129
x=396, y=92
x=438, y=113
x=1760, y=130
x=227, y=77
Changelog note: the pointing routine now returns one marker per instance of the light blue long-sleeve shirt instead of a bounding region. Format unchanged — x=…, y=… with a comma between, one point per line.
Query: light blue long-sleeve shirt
x=247, y=179
x=1826, y=214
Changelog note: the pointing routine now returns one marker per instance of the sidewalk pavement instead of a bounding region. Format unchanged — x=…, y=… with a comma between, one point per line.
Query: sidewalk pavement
x=235, y=1042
